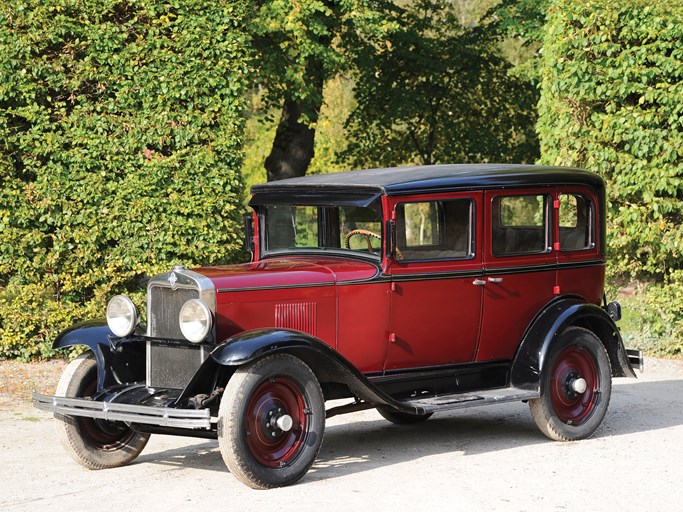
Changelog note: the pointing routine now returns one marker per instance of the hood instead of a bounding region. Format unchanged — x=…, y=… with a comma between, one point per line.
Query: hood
x=288, y=273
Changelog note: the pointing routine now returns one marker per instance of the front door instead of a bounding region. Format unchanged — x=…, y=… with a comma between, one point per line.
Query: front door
x=435, y=303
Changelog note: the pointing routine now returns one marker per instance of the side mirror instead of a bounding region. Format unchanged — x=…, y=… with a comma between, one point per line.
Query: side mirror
x=249, y=234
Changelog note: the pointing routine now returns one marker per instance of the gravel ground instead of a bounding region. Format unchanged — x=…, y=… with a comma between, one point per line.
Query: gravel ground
x=488, y=458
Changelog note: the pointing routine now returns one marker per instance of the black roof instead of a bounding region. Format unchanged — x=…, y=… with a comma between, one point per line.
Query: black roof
x=361, y=187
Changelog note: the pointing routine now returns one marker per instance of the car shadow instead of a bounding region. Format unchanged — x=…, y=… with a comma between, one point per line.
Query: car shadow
x=368, y=441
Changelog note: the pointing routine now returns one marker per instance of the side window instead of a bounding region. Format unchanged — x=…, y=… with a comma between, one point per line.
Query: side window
x=435, y=230
x=576, y=222
x=520, y=225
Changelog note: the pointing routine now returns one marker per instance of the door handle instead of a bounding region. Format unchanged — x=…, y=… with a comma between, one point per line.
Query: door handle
x=495, y=279
x=478, y=282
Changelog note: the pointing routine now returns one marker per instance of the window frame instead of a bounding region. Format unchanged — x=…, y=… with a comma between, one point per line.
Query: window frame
x=548, y=222
x=471, y=227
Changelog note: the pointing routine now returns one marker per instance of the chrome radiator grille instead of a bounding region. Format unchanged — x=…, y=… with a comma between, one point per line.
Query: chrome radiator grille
x=172, y=365
x=164, y=310
x=172, y=360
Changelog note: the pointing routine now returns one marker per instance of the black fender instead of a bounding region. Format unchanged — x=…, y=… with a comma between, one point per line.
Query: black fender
x=327, y=364
x=119, y=360
x=530, y=360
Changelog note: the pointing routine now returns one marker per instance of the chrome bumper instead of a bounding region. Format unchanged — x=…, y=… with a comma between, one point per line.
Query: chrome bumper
x=635, y=358
x=162, y=416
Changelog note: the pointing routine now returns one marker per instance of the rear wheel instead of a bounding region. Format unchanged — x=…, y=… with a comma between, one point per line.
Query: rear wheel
x=576, y=385
x=271, y=422
x=93, y=443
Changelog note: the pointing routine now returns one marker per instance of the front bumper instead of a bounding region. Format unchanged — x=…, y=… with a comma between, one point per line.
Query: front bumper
x=110, y=411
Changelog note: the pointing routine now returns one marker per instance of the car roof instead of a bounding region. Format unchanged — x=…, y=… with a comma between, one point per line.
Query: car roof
x=430, y=178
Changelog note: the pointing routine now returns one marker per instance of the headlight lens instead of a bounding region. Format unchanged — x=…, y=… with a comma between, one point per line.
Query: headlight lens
x=195, y=320
x=122, y=315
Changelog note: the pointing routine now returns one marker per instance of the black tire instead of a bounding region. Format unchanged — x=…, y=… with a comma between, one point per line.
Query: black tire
x=93, y=443
x=578, y=360
x=402, y=418
x=257, y=450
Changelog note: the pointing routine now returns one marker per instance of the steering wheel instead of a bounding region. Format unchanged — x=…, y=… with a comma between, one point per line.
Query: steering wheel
x=366, y=233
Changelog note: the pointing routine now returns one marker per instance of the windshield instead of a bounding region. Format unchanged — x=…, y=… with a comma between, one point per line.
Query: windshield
x=302, y=228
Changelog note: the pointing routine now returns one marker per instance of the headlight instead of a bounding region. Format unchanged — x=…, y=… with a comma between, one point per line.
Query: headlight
x=195, y=320
x=122, y=316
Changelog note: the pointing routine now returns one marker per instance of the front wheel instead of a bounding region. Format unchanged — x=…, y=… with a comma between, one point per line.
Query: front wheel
x=93, y=443
x=576, y=385
x=271, y=422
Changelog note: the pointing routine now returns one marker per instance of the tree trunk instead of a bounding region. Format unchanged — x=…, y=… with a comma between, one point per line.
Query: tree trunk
x=293, y=149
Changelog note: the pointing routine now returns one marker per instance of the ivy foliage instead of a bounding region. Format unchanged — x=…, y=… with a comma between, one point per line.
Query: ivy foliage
x=611, y=101
x=435, y=91
x=120, y=147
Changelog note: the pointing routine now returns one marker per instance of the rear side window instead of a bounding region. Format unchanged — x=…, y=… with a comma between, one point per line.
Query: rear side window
x=520, y=225
x=576, y=222
x=435, y=230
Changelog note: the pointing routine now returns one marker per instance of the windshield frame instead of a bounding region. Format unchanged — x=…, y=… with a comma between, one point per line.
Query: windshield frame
x=329, y=229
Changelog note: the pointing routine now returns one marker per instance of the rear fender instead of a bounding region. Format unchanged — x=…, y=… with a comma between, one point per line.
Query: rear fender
x=530, y=359
x=119, y=360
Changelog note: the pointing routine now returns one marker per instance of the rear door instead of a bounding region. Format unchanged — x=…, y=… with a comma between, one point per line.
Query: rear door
x=520, y=267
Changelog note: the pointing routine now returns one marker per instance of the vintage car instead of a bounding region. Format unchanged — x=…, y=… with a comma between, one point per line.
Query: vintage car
x=411, y=290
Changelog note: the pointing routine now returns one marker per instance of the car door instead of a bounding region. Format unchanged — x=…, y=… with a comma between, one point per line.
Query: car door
x=435, y=307
x=520, y=267
x=581, y=266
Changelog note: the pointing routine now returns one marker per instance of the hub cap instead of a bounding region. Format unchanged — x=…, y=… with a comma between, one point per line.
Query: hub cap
x=276, y=423
x=574, y=388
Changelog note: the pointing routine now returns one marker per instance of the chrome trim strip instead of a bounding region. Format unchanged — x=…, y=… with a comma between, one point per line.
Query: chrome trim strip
x=108, y=411
x=283, y=287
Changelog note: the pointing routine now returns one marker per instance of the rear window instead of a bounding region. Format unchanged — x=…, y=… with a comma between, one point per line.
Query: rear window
x=520, y=224
x=576, y=222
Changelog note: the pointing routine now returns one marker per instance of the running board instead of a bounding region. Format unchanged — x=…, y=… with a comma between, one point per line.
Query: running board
x=424, y=405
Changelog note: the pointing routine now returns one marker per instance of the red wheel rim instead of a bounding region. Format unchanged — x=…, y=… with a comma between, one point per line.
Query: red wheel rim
x=101, y=434
x=270, y=445
x=571, y=407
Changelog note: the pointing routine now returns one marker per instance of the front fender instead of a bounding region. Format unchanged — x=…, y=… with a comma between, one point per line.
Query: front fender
x=327, y=364
x=119, y=360
x=531, y=356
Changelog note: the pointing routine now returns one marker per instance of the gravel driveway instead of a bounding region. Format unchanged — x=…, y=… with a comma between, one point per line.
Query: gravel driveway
x=489, y=458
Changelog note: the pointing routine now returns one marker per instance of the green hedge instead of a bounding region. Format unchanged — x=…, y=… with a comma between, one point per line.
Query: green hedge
x=120, y=147
x=612, y=83
x=612, y=101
